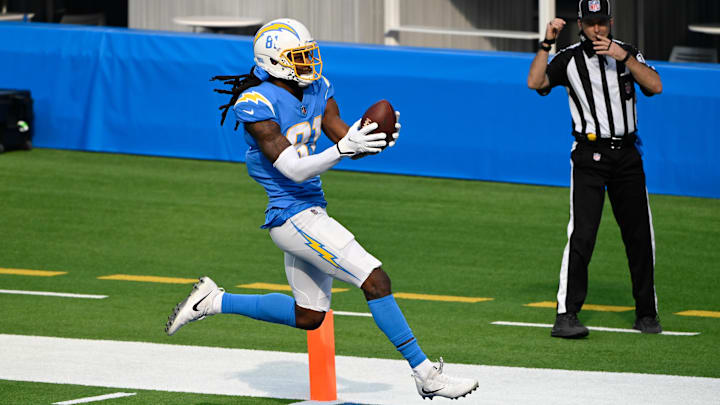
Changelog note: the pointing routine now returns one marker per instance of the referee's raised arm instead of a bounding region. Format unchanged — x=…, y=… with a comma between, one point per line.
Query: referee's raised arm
x=537, y=79
x=645, y=76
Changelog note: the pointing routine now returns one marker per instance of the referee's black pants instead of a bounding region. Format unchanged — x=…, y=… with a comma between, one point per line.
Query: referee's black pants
x=596, y=168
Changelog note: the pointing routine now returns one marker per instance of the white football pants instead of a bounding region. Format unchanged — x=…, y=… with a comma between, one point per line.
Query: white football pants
x=317, y=249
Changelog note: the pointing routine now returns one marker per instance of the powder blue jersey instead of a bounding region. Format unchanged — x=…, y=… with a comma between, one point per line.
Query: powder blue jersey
x=300, y=122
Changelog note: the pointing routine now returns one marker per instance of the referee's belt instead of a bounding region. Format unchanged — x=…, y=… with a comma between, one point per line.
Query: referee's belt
x=614, y=142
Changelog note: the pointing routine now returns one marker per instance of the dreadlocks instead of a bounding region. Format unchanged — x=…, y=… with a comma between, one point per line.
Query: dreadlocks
x=239, y=84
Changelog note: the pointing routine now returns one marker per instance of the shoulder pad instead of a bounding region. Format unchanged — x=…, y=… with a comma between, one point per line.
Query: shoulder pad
x=329, y=89
x=252, y=106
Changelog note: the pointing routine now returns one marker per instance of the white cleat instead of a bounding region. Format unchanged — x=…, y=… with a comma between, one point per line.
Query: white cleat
x=442, y=385
x=195, y=307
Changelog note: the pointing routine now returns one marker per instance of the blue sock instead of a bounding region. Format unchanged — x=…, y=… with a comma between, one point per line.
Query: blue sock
x=390, y=320
x=276, y=308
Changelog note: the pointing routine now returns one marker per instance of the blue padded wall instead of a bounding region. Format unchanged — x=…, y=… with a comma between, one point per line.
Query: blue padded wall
x=465, y=114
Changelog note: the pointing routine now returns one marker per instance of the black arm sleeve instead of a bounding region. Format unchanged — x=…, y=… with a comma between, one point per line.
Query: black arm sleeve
x=640, y=58
x=557, y=72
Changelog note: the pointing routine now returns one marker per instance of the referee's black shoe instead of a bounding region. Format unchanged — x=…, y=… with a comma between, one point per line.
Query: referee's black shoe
x=648, y=324
x=568, y=326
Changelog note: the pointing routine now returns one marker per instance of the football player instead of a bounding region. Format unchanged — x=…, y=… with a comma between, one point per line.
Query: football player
x=284, y=104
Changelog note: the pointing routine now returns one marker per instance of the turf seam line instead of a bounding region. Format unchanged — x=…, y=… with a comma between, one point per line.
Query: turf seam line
x=345, y=313
x=95, y=399
x=597, y=328
x=54, y=294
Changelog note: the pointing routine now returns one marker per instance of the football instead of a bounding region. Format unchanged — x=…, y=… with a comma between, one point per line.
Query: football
x=384, y=115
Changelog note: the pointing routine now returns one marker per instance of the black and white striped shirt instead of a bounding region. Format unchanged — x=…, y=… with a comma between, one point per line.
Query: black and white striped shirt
x=601, y=90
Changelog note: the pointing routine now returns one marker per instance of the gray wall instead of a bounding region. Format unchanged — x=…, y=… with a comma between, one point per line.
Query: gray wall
x=359, y=20
x=655, y=26
x=508, y=15
x=328, y=20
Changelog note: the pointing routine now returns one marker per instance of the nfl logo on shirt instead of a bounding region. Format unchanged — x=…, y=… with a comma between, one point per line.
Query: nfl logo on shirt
x=594, y=5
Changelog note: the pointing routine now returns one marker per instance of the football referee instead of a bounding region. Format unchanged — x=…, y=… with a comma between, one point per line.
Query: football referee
x=599, y=74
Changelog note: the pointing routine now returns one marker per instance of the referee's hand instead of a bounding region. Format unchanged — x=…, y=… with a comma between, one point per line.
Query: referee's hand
x=553, y=28
x=605, y=46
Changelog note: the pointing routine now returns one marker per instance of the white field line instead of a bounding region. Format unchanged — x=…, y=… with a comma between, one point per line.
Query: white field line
x=344, y=313
x=214, y=370
x=95, y=399
x=599, y=328
x=54, y=294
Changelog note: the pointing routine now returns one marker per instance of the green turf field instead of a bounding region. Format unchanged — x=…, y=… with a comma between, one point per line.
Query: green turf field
x=93, y=215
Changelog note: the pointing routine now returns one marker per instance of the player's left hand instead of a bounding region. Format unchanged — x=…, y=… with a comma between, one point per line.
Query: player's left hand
x=360, y=140
x=396, y=134
x=605, y=46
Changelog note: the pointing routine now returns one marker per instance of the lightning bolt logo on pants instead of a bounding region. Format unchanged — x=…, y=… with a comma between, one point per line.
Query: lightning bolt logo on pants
x=321, y=251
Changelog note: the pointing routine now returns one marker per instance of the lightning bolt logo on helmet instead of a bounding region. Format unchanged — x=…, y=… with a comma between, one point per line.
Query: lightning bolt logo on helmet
x=276, y=26
x=285, y=49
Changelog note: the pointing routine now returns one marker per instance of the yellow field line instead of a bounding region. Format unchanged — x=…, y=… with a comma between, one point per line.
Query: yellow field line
x=285, y=287
x=707, y=314
x=411, y=296
x=37, y=273
x=446, y=298
x=279, y=287
x=149, y=279
x=589, y=307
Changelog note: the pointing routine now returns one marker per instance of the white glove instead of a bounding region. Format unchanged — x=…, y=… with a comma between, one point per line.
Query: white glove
x=397, y=129
x=360, y=140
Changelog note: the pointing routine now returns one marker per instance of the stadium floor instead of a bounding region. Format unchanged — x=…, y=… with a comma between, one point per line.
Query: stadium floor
x=211, y=370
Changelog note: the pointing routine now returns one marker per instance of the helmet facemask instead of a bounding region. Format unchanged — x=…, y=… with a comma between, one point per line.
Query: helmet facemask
x=304, y=61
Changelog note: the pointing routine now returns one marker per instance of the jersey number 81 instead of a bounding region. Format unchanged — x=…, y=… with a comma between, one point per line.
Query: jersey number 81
x=304, y=137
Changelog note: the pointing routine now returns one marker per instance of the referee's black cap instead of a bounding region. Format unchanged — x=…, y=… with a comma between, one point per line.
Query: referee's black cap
x=594, y=9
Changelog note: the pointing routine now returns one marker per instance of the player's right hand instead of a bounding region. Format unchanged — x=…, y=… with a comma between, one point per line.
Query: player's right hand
x=360, y=140
x=554, y=27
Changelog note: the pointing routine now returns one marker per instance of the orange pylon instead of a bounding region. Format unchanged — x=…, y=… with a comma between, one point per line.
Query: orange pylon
x=321, y=354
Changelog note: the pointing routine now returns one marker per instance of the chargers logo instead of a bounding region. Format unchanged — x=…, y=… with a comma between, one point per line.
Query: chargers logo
x=594, y=5
x=321, y=251
x=255, y=97
x=276, y=27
